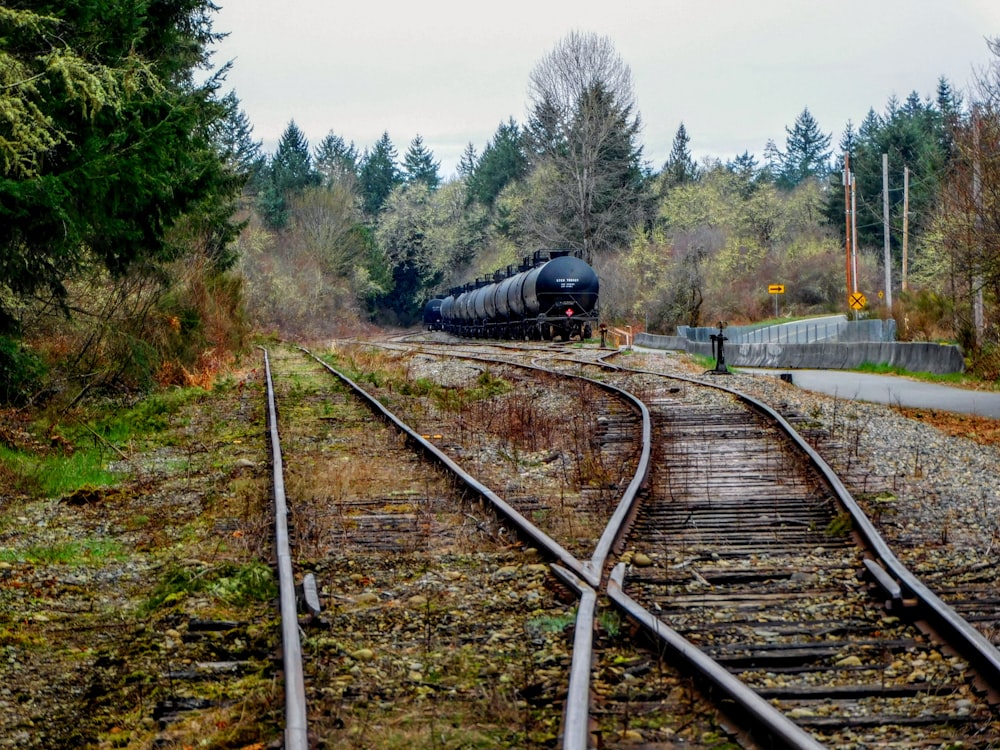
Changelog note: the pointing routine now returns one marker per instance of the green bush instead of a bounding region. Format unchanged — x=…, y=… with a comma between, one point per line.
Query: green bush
x=21, y=372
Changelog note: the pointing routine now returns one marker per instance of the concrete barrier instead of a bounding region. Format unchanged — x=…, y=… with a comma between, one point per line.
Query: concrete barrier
x=915, y=356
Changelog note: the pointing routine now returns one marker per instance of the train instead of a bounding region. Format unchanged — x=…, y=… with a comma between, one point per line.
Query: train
x=551, y=294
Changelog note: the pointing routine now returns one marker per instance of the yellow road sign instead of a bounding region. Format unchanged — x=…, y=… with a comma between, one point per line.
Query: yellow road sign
x=857, y=301
x=776, y=289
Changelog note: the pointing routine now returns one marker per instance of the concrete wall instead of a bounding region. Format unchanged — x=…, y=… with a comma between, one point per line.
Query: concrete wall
x=915, y=356
x=808, y=331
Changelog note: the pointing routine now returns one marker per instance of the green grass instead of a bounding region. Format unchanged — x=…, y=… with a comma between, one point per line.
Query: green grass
x=237, y=585
x=707, y=362
x=149, y=417
x=552, y=623
x=89, y=443
x=951, y=378
x=56, y=474
x=83, y=552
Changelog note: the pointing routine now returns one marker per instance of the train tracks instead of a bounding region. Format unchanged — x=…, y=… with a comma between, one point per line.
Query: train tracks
x=742, y=557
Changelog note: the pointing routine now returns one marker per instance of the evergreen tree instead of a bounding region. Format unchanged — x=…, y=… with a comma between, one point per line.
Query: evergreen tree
x=773, y=159
x=545, y=134
x=419, y=165
x=336, y=160
x=849, y=140
x=292, y=164
x=680, y=167
x=107, y=138
x=913, y=134
x=378, y=175
x=807, y=151
x=468, y=162
x=949, y=107
x=869, y=128
x=503, y=161
x=234, y=134
x=745, y=168
x=289, y=172
x=584, y=132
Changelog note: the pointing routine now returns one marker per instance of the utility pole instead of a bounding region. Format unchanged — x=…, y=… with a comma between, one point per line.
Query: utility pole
x=887, y=258
x=978, y=317
x=854, y=232
x=906, y=220
x=847, y=222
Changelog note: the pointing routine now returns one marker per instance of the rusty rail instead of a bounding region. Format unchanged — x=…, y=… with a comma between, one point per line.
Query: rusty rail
x=973, y=645
x=296, y=725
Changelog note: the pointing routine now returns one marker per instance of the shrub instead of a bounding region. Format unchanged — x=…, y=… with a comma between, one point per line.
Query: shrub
x=21, y=372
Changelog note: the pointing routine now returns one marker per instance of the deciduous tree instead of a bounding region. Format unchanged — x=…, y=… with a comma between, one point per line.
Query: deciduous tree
x=967, y=225
x=584, y=129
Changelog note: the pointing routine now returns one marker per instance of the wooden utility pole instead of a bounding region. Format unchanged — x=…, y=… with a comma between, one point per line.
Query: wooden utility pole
x=906, y=221
x=978, y=312
x=854, y=232
x=847, y=222
x=887, y=256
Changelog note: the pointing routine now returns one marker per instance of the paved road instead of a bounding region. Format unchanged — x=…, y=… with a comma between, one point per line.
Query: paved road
x=889, y=389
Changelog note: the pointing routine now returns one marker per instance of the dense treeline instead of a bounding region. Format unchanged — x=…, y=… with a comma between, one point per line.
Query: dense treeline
x=139, y=214
x=687, y=243
x=115, y=184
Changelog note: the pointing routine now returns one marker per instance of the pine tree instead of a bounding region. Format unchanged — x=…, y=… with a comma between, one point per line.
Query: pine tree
x=234, y=134
x=292, y=164
x=503, y=161
x=468, y=162
x=115, y=139
x=949, y=107
x=745, y=168
x=419, y=165
x=289, y=171
x=336, y=160
x=378, y=175
x=680, y=167
x=807, y=151
x=849, y=140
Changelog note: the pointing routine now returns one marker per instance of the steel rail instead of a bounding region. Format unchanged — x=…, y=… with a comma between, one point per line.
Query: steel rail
x=983, y=656
x=526, y=528
x=296, y=724
x=576, y=718
x=780, y=731
x=594, y=567
x=755, y=711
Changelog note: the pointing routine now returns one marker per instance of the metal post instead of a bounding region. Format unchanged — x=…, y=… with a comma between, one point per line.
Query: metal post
x=717, y=350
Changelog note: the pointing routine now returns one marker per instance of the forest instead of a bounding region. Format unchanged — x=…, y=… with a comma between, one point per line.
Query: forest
x=147, y=238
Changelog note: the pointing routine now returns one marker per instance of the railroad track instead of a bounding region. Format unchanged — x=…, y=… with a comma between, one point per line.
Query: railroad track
x=431, y=626
x=746, y=550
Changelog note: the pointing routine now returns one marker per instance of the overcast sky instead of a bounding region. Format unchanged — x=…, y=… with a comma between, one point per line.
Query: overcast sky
x=735, y=72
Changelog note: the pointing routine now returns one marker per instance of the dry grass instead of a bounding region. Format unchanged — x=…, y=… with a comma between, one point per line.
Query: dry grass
x=983, y=430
